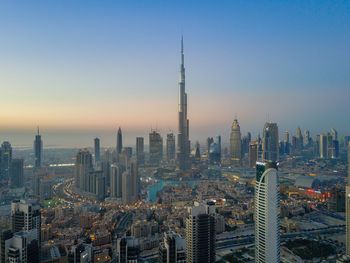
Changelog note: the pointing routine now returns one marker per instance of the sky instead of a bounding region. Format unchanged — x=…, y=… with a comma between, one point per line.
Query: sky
x=80, y=69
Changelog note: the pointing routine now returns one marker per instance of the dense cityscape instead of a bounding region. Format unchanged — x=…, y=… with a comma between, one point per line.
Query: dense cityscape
x=106, y=158
x=264, y=199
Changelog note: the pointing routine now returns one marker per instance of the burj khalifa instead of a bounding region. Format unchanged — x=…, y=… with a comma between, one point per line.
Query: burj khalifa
x=183, y=142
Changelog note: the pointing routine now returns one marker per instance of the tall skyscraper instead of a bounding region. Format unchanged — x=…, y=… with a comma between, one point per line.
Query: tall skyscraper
x=97, y=151
x=130, y=183
x=172, y=249
x=140, y=152
x=116, y=181
x=201, y=233
x=253, y=153
x=170, y=147
x=38, y=150
x=17, y=173
x=236, y=143
x=270, y=144
x=119, y=147
x=347, y=207
x=215, y=151
x=299, y=140
x=6, y=159
x=26, y=216
x=323, y=146
x=83, y=167
x=183, y=142
x=267, y=224
x=155, y=148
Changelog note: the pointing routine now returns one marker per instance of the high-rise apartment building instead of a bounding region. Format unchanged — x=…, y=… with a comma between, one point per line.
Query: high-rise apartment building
x=172, y=249
x=26, y=216
x=201, y=233
x=83, y=167
x=267, y=209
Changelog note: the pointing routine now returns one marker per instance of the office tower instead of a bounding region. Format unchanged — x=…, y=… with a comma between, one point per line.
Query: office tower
x=106, y=168
x=210, y=140
x=334, y=134
x=172, y=249
x=26, y=216
x=215, y=151
x=235, y=143
x=119, y=142
x=38, y=150
x=245, y=144
x=5, y=162
x=17, y=173
x=83, y=166
x=201, y=233
x=97, y=151
x=347, y=207
x=323, y=146
x=100, y=186
x=116, y=181
x=128, y=249
x=197, y=154
x=130, y=183
x=126, y=187
x=270, y=142
x=267, y=225
x=135, y=180
x=253, y=153
x=183, y=141
x=155, y=148
x=140, y=152
x=170, y=147
x=299, y=140
x=307, y=138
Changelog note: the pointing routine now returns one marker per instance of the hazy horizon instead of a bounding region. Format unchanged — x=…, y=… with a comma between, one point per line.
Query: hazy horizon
x=94, y=67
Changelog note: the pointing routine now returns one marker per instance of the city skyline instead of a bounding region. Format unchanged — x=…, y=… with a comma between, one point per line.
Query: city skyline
x=71, y=84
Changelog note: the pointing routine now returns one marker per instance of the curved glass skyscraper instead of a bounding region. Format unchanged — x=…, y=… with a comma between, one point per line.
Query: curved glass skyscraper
x=267, y=204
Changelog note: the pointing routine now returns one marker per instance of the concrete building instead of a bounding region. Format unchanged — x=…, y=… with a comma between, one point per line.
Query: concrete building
x=172, y=249
x=201, y=233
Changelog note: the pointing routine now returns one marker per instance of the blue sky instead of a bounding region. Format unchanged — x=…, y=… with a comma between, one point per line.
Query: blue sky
x=90, y=66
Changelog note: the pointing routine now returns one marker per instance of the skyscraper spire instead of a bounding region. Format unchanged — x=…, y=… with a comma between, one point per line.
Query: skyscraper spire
x=182, y=52
x=38, y=130
x=183, y=143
